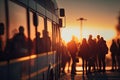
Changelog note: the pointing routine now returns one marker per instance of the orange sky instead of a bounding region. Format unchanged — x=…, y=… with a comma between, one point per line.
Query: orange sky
x=101, y=17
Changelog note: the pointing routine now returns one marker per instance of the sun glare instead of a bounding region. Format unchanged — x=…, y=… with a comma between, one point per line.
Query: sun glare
x=67, y=33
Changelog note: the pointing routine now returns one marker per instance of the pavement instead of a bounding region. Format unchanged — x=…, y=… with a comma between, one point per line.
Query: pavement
x=108, y=75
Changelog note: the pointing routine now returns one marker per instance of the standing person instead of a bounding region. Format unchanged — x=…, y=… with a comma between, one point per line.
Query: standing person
x=38, y=46
x=103, y=51
x=1, y=51
x=92, y=51
x=19, y=43
x=114, y=51
x=72, y=48
x=65, y=57
x=118, y=55
x=84, y=53
x=95, y=55
x=98, y=52
x=1, y=33
x=46, y=41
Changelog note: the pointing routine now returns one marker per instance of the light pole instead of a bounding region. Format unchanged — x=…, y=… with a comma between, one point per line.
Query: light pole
x=81, y=25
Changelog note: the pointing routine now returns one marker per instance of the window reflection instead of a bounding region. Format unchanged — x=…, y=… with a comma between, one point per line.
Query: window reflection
x=54, y=37
x=37, y=41
x=49, y=27
x=57, y=34
x=2, y=20
x=17, y=17
x=40, y=27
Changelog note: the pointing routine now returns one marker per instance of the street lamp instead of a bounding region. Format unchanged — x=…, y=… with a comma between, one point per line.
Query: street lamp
x=81, y=25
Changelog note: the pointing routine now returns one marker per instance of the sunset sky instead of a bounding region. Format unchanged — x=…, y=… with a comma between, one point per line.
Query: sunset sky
x=101, y=17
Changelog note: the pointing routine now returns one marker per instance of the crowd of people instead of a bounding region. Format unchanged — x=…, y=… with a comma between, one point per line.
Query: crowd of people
x=92, y=51
x=93, y=54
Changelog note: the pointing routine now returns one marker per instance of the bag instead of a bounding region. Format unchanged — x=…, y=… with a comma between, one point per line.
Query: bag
x=77, y=60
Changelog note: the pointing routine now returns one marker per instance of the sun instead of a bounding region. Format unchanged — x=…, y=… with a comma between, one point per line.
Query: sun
x=67, y=33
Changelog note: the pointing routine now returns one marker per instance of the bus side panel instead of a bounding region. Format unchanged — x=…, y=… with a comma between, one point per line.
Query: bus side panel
x=33, y=68
x=3, y=72
x=42, y=61
x=18, y=70
x=38, y=66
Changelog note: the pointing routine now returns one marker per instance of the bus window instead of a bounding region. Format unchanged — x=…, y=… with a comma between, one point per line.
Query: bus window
x=58, y=34
x=54, y=37
x=40, y=26
x=17, y=17
x=49, y=28
x=2, y=20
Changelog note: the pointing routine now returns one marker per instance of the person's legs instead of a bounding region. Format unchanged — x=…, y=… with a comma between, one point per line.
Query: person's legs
x=86, y=65
x=119, y=63
x=99, y=61
x=103, y=62
x=73, y=70
x=69, y=65
x=83, y=65
x=113, y=62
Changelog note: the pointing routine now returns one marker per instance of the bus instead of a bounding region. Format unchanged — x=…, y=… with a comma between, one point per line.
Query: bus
x=34, y=17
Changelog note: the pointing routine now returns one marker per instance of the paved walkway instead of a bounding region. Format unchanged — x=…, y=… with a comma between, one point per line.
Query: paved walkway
x=108, y=75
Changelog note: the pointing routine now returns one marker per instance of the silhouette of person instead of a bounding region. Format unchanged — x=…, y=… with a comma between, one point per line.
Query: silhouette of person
x=1, y=33
x=1, y=51
x=46, y=41
x=72, y=48
x=98, y=52
x=114, y=51
x=84, y=53
x=92, y=46
x=19, y=42
x=118, y=55
x=38, y=46
x=65, y=56
x=95, y=54
x=103, y=51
